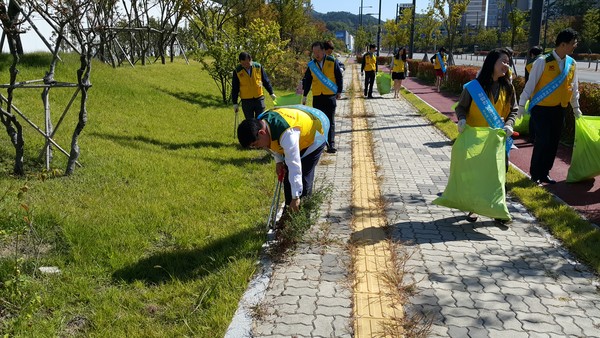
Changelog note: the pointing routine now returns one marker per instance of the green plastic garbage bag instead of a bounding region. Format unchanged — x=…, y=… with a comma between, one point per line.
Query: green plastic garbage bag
x=287, y=100
x=585, y=162
x=522, y=123
x=477, y=173
x=384, y=83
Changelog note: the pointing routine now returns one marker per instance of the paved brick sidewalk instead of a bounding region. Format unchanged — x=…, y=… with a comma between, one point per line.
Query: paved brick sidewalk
x=474, y=279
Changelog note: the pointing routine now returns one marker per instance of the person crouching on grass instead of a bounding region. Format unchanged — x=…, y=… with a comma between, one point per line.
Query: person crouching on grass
x=295, y=136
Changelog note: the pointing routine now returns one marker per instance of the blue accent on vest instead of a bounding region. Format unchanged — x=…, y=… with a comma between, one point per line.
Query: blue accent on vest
x=441, y=61
x=553, y=85
x=321, y=76
x=487, y=109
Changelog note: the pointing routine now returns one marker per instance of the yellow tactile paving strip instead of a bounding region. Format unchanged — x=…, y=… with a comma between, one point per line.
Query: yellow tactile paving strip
x=372, y=305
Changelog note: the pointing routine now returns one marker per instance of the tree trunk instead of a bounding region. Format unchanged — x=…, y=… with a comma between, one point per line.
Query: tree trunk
x=83, y=79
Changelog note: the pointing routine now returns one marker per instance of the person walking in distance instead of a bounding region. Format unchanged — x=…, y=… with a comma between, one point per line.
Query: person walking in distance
x=325, y=78
x=552, y=85
x=248, y=80
x=369, y=66
x=439, y=65
x=399, y=69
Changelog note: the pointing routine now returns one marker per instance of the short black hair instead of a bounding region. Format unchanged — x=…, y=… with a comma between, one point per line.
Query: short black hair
x=566, y=35
x=244, y=56
x=247, y=132
x=317, y=44
x=328, y=45
x=372, y=46
x=535, y=50
x=442, y=49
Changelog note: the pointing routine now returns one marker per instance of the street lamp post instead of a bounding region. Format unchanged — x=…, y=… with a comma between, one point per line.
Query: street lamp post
x=412, y=29
x=378, y=34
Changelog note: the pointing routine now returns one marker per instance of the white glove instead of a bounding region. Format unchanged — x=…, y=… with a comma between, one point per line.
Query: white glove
x=303, y=100
x=235, y=108
x=508, y=130
x=461, y=125
x=273, y=96
x=520, y=112
x=577, y=112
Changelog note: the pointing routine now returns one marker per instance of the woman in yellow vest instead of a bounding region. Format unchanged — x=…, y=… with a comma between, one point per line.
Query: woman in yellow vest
x=399, y=69
x=437, y=66
x=494, y=78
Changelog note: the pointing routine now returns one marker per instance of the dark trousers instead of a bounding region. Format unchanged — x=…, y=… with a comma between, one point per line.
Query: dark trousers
x=253, y=107
x=327, y=104
x=369, y=81
x=548, y=123
x=309, y=163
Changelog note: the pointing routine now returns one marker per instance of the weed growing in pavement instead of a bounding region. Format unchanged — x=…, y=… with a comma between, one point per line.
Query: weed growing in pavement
x=295, y=225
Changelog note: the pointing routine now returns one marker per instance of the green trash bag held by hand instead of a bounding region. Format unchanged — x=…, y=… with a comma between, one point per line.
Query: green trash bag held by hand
x=287, y=100
x=384, y=83
x=477, y=173
x=585, y=162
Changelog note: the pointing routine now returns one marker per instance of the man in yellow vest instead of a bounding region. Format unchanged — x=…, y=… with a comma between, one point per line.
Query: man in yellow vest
x=295, y=136
x=369, y=67
x=552, y=85
x=247, y=81
x=325, y=78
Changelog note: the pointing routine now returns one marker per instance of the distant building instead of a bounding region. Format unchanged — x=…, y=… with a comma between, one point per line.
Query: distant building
x=347, y=38
x=491, y=13
x=476, y=14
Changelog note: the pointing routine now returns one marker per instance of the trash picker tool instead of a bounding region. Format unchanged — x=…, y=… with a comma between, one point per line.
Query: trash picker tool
x=275, y=203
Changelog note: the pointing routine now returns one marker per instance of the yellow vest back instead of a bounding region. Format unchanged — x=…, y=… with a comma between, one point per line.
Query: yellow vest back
x=285, y=118
x=436, y=62
x=475, y=117
x=250, y=85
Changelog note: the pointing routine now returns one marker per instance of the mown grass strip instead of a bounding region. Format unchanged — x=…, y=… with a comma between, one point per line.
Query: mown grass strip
x=577, y=234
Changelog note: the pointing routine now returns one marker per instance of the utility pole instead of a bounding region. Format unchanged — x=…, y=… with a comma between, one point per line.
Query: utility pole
x=536, y=22
x=378, y=35
x=412, y=30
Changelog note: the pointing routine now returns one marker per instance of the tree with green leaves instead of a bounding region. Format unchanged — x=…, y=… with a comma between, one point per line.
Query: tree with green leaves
x=427, y=28
x=591, y=29
x=451, y=19
x=361, y=40
x=517, y=19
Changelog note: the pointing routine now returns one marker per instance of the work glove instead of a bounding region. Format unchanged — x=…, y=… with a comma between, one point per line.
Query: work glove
x=577, y=112
x=520, y=112
x=461, y=125
x=273, y=96
x=509, y=130
x=303, y=100
x=235, y=108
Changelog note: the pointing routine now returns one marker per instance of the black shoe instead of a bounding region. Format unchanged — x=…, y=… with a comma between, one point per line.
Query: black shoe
x=546, y=179
x=370, y=97
x=502, y=221
x=472, y=217
x=331, y=150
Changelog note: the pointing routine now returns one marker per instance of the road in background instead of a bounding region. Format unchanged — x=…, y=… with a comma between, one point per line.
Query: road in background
x=584, y=73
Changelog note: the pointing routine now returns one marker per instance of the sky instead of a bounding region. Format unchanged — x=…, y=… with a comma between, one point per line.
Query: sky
x=388, y=7
x=31, y=42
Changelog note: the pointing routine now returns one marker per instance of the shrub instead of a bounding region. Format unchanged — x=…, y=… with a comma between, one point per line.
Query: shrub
x=426, y=72
x=457, y=76
x=413, y=66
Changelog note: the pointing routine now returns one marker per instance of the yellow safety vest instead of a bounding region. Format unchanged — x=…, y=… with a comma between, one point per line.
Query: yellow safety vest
x=318, y=88
x=475, y=117
x=562, y=95
x=398, y=66
x=250, y=85
x=281, y=119
x=436, y=62
x=370, y=62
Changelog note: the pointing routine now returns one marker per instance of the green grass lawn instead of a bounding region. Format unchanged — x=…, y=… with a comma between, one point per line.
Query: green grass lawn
x=159, y=231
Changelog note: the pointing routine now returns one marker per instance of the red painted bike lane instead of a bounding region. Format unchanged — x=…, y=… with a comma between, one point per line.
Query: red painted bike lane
x=582, y=196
